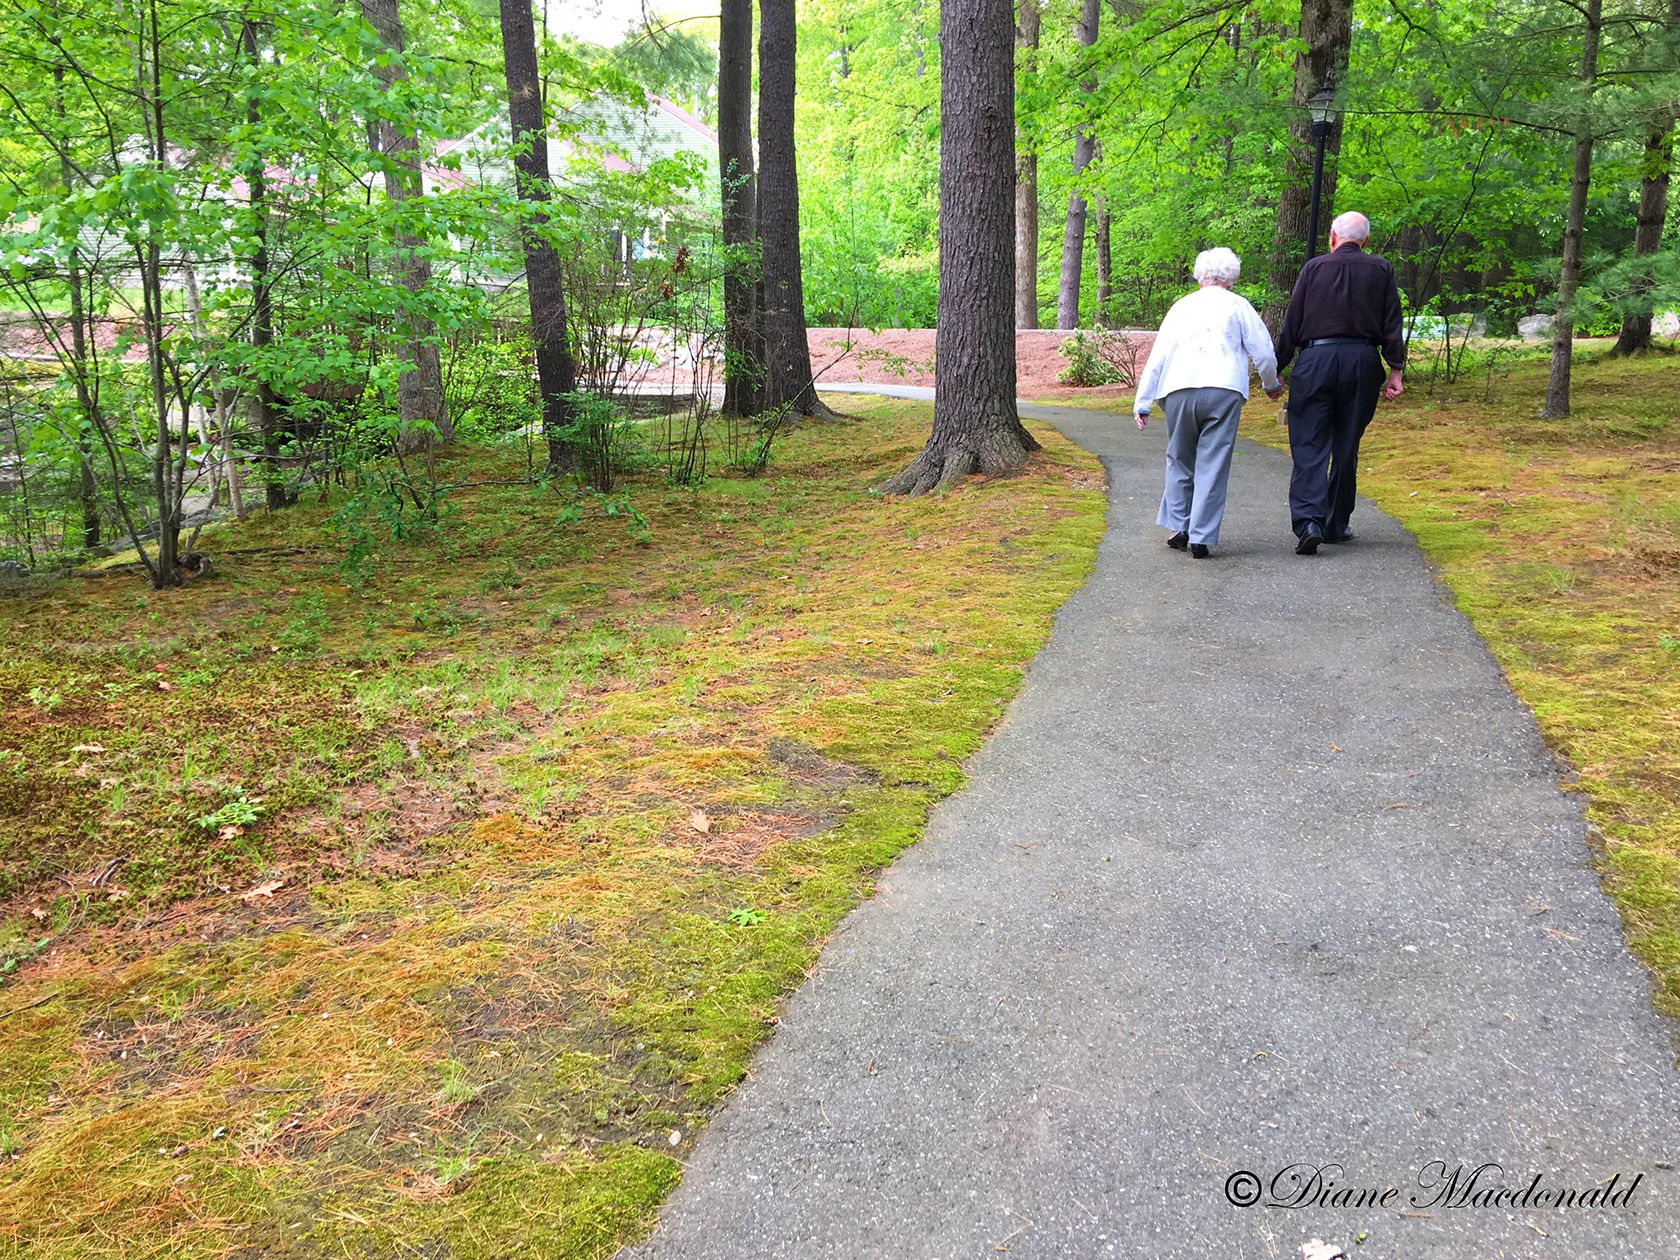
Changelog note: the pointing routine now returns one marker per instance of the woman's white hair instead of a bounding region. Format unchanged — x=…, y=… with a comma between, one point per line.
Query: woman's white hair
x=1218, y=264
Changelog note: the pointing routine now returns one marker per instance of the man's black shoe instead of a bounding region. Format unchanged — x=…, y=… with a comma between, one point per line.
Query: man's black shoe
x=1345, y=536
x=1311, y=536
x=1199, y=550
x=1179, y=541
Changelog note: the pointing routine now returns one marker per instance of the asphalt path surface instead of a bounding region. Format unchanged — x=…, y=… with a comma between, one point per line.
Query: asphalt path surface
x=1265, y=870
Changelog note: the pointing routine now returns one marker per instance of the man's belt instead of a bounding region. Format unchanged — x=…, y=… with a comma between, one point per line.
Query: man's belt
x=1341, y=341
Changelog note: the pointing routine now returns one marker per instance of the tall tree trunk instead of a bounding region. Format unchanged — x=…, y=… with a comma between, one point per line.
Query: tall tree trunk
x=556, y=372
x=264, y=406
x=975, y=424
x=1027, y=26
x=1653, y=210
x=788, y=377
x=1580, y=176
x=1647, y=236
x=1084, y=144
x=168, y=475
x=421, y=405
x=1105, y=255
x=743, y=363
x=1326, y=30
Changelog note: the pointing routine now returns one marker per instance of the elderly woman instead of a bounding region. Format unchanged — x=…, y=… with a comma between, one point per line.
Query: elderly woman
x=1198, y=371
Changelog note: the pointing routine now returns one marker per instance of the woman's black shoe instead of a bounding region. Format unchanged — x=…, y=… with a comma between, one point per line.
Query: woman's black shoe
x=1199, y=550
x=1179, y=541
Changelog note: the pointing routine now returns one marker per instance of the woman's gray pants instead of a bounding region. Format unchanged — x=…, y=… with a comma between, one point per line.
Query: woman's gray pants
x=1201, y=432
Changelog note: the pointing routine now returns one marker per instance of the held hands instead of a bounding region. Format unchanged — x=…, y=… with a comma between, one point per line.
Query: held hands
x=1394, y=386
x=1275, y=394
x=1142, y=419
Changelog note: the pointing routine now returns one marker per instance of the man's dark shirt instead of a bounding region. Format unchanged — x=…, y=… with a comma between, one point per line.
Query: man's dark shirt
x=1348, y=293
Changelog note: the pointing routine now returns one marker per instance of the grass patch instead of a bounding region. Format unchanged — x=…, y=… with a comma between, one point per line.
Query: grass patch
x=1560, y=540
x=430, y=913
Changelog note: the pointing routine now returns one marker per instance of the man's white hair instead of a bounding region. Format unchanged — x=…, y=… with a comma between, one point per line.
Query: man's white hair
x=1351, y=226
x=1218, y=264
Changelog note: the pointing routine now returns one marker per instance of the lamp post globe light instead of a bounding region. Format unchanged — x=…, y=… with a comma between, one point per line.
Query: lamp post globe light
x=1321, y=108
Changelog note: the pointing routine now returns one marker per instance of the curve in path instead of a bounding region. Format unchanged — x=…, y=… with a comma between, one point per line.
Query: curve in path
x=1265, y=867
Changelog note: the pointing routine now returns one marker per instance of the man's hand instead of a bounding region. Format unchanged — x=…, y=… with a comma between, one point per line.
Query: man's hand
x=1394, y=386
x=1275, y=394
x=1142, y=419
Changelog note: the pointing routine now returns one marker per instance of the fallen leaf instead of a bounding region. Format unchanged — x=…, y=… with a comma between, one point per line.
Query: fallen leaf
x=118, y=894
x=38, y=913
x=265, y=889
x=230, y=832
x=698, y=820
x=89, y=748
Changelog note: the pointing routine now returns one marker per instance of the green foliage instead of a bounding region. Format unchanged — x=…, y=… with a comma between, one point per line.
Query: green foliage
x=1085, y=367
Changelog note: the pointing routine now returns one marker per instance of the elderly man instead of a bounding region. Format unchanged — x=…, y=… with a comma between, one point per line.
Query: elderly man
x=1345, y=308
x=1198, y=369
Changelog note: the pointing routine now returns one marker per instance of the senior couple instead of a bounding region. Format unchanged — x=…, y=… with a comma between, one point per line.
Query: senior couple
x=1345, y=309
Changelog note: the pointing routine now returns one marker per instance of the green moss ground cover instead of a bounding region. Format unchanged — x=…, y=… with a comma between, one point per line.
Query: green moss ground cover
x=429, y=914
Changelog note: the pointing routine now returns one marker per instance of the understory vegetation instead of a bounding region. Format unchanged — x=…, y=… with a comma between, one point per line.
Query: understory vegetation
x=425, y=909
x=1560, y=540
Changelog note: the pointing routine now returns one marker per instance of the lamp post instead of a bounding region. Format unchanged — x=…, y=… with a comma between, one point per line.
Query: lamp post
x=1321, y=108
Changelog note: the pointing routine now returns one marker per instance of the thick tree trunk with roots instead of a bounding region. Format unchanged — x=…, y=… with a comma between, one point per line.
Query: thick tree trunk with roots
x=556, y=372
x=975, y=425
x=787, y=353
x=743, y=362
x=1327, y=30
x=421, y=406
x=1575, y=219
x=1084, y=146
x=1027, y=26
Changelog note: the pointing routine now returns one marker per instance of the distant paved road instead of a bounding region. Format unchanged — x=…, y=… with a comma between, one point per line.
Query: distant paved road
x=1266, y=866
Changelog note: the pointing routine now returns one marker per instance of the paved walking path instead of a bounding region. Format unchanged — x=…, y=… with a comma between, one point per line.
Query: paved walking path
x=1265, y=866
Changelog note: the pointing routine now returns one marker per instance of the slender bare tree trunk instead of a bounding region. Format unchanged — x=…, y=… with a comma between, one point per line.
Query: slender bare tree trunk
x=88, y=487
x=1327, y=31
x=1084, y=144
x=743, y=365
x=788, y=376
x=1027, y=26
x=1580, y=177
x=975, y=424
x=556, y=371
x=421, y=405
x=265, y=410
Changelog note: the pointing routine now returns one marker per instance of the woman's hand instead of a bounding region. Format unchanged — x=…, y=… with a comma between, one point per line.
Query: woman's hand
x=1142, y=419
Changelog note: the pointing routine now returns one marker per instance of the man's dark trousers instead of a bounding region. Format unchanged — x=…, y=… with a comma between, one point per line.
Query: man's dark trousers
x=1332, y=397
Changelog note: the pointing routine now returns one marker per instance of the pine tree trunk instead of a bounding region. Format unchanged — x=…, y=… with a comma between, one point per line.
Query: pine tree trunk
x=556, y=372
x=1084, y=145
x=788, y=377
x=421, y=405
x=1027, y=27
x=1327, y=30
x=1580, y=177
x=743, y=367
x=1648, y=223
x=976, y=428
x=1105, y=258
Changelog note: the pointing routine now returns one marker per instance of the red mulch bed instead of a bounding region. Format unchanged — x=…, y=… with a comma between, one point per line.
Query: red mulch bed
x=904, y=356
